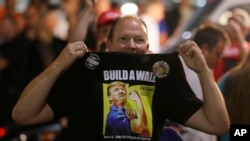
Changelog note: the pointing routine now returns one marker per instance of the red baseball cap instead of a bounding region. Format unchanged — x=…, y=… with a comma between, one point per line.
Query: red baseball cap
x=107, y=17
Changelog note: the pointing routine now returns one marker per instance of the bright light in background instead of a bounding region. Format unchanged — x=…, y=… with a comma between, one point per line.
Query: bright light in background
x=23, y=137
x=201, y=3
x=129, y=9
x=186, y=35
x=224, y=17
x=3, y=132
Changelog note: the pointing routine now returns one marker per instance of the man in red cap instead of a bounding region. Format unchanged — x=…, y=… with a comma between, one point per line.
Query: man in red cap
x=93, y=31
x=103, y=25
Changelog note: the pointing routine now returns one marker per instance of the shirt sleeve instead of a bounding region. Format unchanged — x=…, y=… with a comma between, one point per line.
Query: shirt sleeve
x=177, y=97
x=64, y=96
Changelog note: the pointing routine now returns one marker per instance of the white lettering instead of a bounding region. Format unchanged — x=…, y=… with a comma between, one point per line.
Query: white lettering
x=146, y=77
x=106, y=75
x=240, y=132
x=131, y=75
x=125, y=75
x=140, y=75
x=128, y=75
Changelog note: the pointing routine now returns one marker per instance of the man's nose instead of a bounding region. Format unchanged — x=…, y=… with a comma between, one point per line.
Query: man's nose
x=132, y=44
x=121, y=91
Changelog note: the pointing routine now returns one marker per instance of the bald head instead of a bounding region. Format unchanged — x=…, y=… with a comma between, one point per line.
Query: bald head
x=128, y=34
x=124, y=20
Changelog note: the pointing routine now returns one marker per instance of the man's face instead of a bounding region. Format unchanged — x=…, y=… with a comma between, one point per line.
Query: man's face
x=102, y=32
x=129, y=36
x=118, y=95
x=213, y=56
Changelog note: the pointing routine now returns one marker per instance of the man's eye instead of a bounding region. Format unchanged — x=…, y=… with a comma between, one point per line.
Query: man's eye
x=123, y=38
x=140, y=40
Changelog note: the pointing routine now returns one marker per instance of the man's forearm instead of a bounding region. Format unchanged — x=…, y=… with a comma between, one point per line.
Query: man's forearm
x=32, y=101
x=214, y=105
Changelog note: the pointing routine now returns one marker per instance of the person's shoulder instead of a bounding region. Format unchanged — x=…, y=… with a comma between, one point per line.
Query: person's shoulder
x=224, y=77
x=222, y=80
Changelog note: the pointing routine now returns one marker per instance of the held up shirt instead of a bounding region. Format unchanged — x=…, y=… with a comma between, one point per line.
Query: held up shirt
x=154, y=88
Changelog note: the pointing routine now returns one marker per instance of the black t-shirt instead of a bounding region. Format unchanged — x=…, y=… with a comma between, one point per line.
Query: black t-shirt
x=159, y=80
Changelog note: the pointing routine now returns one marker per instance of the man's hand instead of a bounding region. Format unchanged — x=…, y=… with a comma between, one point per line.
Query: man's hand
x=70, y=53
x=193, y=56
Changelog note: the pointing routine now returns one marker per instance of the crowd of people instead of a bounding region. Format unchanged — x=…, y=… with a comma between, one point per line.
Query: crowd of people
x=197, y=88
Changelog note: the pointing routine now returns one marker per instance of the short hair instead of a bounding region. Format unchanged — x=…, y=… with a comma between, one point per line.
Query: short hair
x=113, y=25
x=210, y=35
x=115, y=83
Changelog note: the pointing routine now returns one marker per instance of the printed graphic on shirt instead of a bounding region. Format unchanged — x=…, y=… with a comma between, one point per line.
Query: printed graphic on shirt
x=92, y=61
x=127, y=111
x=161, y=69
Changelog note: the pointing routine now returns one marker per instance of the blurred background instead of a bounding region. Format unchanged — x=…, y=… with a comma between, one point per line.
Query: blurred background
x=32, y=33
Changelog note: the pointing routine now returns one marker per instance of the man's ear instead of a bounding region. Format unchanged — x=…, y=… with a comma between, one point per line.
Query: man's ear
x=149, y=51
x=205, y=49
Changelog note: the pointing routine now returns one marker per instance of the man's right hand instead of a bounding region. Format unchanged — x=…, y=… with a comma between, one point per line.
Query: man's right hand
x=70, y=53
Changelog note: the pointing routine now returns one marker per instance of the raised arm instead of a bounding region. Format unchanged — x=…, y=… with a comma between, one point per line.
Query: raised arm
x=139, y=124
x=79, y=32
x=239, y=38
x=212, y=117
x=31, y=108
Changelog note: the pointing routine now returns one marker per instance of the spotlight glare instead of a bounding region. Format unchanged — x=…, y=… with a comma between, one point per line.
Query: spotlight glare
x=129, y=9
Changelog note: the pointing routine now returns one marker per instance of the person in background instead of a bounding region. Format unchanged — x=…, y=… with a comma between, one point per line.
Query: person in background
x=9, y=10
x=164, y=32
x=238, y=29
x=99, y=7
x=171, y=131
x=177, y=18
x=212, y=41
x=69, y=16
x=9, y=29
x=10, y=67
x=234, y=86
x=25, y=54
x=128, y=36
x=152, y=14
x=103, y=24
x=94, y=28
